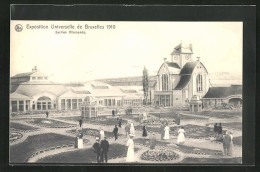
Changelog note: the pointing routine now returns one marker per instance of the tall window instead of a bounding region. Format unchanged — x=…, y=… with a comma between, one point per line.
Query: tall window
x=74, y=104
x=199, y=83
x=62, y=104
x=164, y=82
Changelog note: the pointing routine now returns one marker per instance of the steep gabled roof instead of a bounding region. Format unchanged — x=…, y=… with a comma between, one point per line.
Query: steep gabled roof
x=188, y=68
x=174, y=65
x=223, y=92
x=185, y=79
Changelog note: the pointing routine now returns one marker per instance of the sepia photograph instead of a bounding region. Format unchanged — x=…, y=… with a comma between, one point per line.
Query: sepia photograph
x=125, y=92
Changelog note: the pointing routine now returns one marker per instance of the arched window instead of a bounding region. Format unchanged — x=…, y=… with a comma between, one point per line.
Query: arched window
x=199, y=83
x=164, y=82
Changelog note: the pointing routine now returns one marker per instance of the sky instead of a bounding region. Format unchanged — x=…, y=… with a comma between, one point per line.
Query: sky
x=123, y=51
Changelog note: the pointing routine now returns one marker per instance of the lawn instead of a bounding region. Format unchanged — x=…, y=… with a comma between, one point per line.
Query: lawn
x=85, y=156
x=19, y=126
x=49, y=123
x=20, y=153
x=221, y=113
x=211, y=160
x=93, y=132
x=237, y=140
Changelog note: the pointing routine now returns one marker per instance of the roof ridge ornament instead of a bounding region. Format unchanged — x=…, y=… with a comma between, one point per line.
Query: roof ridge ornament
x=198, y=58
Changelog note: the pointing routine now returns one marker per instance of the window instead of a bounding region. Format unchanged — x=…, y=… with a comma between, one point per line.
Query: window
x=68, y=102
x=39, y=106
x=27, y=104
x=79, y=102
x=49, y=105
x=33, y=106
x=74, y=104
x=164, y=82
x=14, y=106
x=21, y=106
x=33, y=78
x=199, y=83
x=44, y=106
x=100, y=102
x=45, y=78
x=62, y=104
x=113, y=102
x=39, y=78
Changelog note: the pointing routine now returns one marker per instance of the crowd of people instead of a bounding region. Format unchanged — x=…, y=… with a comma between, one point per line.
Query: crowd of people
x=101, y=146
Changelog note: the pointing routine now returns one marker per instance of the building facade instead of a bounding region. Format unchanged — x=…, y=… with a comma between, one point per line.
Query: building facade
x=179, y=79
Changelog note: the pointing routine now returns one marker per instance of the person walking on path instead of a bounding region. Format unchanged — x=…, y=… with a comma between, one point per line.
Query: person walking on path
x=220, y=135
x=178, y=119
x=215, y=129
x=113, y=112
x=231, y=145
x=80, y=122
x=166, y=132
x=140, y=116
x=102, y=134
x=127, y=129
x=132, y=129
x=152, y=141
x=115, y=131
x=130, y=151
x=162, y=130
x=144, y=131
x=119, y=121
x=47, y=114
x=181, y=136
x=226, y=143
x=96, y=148
x=104, y=147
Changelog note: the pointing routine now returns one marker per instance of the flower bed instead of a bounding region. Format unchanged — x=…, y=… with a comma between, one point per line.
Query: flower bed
x=173, y=115
x=13, y=136
x=159, y=155
x=49, y=123
x=21, y=127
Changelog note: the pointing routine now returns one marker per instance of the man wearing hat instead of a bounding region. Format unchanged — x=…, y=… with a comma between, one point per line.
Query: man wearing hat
x=104, y=146
x=96, y=148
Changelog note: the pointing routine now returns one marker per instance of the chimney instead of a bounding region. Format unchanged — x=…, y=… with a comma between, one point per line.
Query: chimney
x=190, y=47
x=165, y=60
x=34, y=69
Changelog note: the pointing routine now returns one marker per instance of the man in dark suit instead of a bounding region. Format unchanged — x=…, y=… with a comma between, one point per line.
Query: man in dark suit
x=104, y=147
x=96, y=148
x=226, y=143
x=115, y=131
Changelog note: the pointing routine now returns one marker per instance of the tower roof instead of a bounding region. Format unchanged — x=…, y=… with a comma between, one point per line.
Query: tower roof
x=182, y=48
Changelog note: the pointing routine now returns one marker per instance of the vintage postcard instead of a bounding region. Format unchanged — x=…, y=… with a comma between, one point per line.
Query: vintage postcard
x=127, y=92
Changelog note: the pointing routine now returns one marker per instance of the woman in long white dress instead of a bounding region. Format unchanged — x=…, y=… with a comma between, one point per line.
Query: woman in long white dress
x=181, y=136
x=231, y=144
x=130, y=151
x=166, y=133
x=102, y=134
x=132, y=129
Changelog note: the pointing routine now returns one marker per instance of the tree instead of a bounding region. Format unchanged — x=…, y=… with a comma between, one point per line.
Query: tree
x=145, y=85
